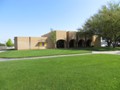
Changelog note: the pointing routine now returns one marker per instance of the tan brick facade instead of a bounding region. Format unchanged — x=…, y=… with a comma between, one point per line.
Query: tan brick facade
x=24, y=43
x=63, y=39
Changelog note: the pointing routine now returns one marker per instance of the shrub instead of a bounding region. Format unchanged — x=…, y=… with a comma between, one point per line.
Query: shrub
x=1, y=44
x=9, y=43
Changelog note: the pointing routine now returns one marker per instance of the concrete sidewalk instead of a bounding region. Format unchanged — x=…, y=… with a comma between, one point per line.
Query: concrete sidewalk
x=106, y=52
x=93, y=52
x=42, y=57
x=2, y=51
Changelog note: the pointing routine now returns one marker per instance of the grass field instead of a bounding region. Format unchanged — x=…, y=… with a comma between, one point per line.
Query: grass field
x=35, y=53
x=90, y=72
x=49, y=52
x=101, y=49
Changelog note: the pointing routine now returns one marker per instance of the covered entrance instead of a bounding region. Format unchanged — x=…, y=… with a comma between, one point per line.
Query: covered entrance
x=60, y=44
x=72, y=43
x=88, y=43
x=81, y=43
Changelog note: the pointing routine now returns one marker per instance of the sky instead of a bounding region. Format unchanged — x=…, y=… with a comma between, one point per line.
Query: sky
x=37, y=17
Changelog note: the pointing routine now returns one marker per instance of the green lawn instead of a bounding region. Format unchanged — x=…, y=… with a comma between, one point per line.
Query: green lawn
x=35, y=53
x=101, y=49
x=48, y=52
x=90, y=72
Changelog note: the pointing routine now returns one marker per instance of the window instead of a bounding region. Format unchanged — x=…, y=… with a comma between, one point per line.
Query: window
x=45, y=44
x=42, y=44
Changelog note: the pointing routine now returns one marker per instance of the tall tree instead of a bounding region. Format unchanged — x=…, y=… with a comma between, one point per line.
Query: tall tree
x=106, y=22
x=53, y=37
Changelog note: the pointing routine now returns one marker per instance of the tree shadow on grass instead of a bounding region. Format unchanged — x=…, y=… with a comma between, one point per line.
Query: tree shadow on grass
x=94, y=49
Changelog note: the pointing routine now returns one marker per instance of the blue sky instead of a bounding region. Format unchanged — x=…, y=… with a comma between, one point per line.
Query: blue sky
x=37, y=17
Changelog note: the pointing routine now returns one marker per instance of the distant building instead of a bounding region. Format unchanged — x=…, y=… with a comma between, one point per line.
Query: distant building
x=63, y=39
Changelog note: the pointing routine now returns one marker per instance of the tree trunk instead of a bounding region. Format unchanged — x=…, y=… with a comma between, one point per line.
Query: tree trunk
x=109, y=43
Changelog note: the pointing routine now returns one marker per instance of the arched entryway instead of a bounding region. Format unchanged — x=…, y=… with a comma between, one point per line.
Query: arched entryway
x=81, y=43
x=88, y=43
x=72, y=43
x=60, y=44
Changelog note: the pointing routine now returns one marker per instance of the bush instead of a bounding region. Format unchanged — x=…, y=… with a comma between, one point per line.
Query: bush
x=9, y=43
x=1, y=44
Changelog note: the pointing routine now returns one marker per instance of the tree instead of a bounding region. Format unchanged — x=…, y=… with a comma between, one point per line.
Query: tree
x=53, y=37
x=106, y=22
x=9, y=43
x=85, y=31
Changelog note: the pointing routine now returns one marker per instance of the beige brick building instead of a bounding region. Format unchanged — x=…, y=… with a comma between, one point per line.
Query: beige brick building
x=56, y=39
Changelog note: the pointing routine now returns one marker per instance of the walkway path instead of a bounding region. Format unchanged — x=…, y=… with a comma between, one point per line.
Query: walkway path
x=93, y=52
x=106, y=52
x=2, y=51
x=28, y=58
